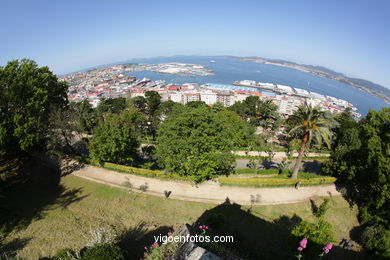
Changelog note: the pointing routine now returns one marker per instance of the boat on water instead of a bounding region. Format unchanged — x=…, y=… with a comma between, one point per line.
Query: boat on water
x=213, y=61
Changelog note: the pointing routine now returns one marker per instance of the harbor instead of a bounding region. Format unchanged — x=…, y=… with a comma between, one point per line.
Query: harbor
x=116, y=81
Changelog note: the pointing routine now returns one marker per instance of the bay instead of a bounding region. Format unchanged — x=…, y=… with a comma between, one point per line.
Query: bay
x=227, y=70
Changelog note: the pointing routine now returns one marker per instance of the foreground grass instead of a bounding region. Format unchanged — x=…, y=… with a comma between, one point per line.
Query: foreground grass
x=67, y=225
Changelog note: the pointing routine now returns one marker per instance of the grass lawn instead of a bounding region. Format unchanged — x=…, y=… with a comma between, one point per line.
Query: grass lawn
x=67, y=223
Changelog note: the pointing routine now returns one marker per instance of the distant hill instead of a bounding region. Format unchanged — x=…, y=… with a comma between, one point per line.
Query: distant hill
x=365, y=85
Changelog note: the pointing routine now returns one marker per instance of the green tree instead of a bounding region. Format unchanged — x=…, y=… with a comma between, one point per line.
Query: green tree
x=195, y=142
x=28, y=95
x=139, y=103
x=150, y=105
x=115, y=139
x=153, y=102
x=310, y=123
x=195, y=104
x=165, y=109
x=347, y=139
x=363, y=162
x=258, y=112
x=242, y=132
x=83, y=115
x=111, y=105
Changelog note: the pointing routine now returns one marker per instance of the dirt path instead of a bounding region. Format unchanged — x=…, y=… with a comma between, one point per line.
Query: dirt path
x=206, y=192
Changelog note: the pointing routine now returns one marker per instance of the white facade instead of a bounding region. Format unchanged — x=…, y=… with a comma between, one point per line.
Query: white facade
x=189, y=97
x=209, y=97
x=176, y=97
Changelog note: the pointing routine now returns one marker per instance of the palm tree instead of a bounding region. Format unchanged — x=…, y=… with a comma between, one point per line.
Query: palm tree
x=310, y=123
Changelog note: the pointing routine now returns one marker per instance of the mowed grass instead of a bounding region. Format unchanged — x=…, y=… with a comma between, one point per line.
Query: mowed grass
x=99, y=206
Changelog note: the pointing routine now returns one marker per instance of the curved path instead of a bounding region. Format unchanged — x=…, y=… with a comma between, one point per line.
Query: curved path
x=209, y=191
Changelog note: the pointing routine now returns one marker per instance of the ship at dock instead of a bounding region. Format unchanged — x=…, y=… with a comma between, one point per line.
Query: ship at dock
x=325, y=101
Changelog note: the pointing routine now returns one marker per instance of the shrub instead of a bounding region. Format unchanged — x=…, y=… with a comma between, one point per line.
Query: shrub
x=259, y=171
x=66, y=254
x=104, y=235
x=163, y=251
x=216, y=220
x=321, y=210
x=103, y=252
x=139, y=171
x=273, y=182
x=377, y=239
x=320, y=232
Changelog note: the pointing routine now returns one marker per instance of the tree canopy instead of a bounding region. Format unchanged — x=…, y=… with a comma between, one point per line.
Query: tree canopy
x=361, y=158
x=310, y=123
x=116, y=139
x=258, y=112
x=28, y=95
x=197, y=142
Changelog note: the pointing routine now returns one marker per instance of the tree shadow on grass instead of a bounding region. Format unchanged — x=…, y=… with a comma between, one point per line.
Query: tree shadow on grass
x=257, y=238
x=14, y=245
x=31, y=186
x=133, y=241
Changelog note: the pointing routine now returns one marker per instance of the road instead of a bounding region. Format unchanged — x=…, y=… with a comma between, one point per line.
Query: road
x=209, y=191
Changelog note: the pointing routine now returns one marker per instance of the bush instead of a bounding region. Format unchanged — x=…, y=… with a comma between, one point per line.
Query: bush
x=102, y=235
x=259, y=171
x=321, y=210
x=66, y=254
x=377, y=239
x=103, y=252
x=273, y=182
x=320, y=232
x=216, y=220
x=140, y=171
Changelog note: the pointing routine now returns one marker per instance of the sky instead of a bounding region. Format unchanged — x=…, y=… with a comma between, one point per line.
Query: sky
x=349, y=36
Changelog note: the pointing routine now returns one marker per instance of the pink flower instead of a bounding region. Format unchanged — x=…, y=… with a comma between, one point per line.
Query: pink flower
x=154, y=245
x=207, y=227
x=327, y=248
x=200, y=227
x=303, y=243
x=300, y=249
x=169, y=234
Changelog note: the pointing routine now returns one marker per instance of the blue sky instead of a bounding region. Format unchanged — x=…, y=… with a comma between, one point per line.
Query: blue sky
x=352, y=37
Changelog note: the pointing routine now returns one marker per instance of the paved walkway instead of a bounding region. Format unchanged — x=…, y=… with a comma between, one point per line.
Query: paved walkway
x=209, y=191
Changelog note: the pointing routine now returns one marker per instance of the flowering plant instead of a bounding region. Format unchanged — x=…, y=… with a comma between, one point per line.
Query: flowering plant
x=203, y=229
x=326, y=249
x=302, y=245
x=157, y=252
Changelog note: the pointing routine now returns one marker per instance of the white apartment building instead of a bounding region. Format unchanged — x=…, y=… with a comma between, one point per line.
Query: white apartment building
x=176, y=97
x=188, y=97
x=225, y=99
x=238, y=97
x=209, y=97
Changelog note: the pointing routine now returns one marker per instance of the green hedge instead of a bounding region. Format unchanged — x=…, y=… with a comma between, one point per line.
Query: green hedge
x=139, y=171
x=309, y=158
x=259, y=171
x=273, y=182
